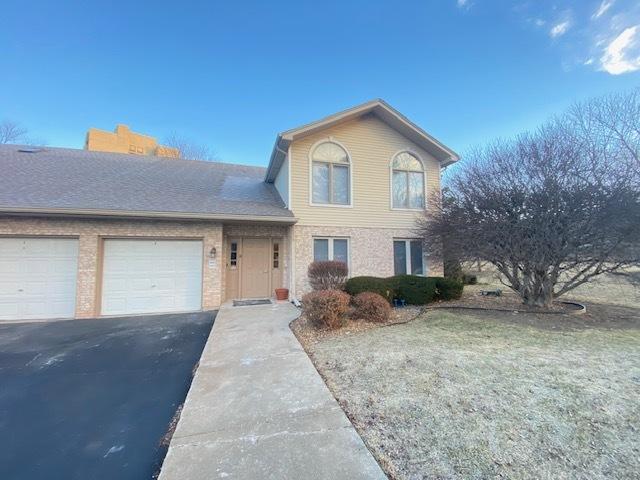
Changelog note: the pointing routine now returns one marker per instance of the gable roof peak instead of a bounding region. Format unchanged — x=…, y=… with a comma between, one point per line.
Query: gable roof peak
x=378, y=107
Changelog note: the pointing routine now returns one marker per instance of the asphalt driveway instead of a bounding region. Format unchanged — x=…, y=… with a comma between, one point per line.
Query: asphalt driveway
x=93, y=399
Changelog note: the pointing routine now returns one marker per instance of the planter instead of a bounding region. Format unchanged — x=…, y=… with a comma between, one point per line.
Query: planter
x=282, y=293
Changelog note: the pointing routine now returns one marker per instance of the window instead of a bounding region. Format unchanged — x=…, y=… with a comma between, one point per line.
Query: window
x=233, y=255
x=276, y=255
x=407, y=257
x=331, y=249
x=330, y=175
x=407, y=182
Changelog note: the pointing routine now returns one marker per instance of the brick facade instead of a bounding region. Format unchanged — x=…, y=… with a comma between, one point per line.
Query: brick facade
x=90, y=234
x=370, y=251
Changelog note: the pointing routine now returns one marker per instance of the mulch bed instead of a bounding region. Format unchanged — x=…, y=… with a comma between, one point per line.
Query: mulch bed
x=506, y=308
x=309, y=334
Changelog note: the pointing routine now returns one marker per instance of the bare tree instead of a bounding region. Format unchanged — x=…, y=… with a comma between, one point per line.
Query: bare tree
x=611, y=126
x=11, y=132
x=190, y=150
x=549, y=209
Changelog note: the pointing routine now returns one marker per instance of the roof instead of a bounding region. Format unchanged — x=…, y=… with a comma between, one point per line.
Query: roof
x=382, y=110
x=80, y=182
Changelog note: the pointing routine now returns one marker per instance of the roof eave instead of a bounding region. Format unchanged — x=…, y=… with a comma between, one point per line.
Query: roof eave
x=98, y=213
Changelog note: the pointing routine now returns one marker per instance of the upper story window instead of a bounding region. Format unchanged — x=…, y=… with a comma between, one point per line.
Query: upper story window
x=407, y=181
x=330, y=171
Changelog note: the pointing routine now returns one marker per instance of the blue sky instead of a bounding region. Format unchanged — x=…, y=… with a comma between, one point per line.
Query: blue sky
x=232, y=74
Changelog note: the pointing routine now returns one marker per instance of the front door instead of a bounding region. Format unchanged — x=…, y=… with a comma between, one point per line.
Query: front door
x=255, y=272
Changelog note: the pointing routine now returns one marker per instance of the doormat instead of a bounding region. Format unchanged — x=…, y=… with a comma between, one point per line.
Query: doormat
x=247, y=303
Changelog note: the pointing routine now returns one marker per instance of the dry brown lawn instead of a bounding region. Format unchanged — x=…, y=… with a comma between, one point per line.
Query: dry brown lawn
x=473, y=394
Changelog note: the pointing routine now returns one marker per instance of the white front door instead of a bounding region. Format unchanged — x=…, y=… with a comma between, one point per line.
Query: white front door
x=151, y=276
x=38, y=278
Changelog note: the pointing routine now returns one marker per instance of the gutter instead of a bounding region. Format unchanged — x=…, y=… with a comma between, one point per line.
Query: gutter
x=73, y=212
x=275, y=162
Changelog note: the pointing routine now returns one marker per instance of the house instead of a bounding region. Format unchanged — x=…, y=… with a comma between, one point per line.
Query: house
x=123, y=140
x=86, y=234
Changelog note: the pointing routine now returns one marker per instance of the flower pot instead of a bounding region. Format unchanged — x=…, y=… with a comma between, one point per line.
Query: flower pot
x=282, y=293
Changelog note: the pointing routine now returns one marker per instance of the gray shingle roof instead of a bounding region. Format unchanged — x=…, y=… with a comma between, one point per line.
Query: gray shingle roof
x=62, y=178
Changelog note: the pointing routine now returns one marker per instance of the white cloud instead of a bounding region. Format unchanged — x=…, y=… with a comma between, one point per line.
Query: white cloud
x=539, y=22
x=622, y=55
x=602, y=9
x=463, y=3
x=559, y=29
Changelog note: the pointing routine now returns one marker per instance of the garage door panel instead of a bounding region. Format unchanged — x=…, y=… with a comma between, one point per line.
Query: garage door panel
x=151, y=276
x=38, y=278
x=116, y=265
x=9, y=308
x=9, y=265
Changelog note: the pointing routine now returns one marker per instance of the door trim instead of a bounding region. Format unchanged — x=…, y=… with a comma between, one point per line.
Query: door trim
x=228, y=292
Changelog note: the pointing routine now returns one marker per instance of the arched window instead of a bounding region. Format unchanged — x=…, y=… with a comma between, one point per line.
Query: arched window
x=407, y=181
x=330, y=171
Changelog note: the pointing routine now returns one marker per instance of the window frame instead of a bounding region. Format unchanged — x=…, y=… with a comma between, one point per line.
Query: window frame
x=407, y=252
x=349, y=166
x=424, y=181
x=330, y=248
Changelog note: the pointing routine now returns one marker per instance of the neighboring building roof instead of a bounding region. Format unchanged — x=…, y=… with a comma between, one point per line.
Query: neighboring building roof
x=69, y=181
x=380, y=108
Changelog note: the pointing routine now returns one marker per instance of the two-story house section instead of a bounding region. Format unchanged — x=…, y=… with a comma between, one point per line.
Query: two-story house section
x=89, y=234
x=356, y=181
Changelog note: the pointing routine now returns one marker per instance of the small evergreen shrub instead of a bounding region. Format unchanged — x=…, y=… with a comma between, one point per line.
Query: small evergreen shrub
x=448, y=288
x=326, y=308
x=371, y=307
x=469, y=279
x=378, y=285
x=415, y=290
x=329, y=275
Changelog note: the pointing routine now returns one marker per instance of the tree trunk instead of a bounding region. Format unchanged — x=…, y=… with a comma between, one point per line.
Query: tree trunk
x=537, y=290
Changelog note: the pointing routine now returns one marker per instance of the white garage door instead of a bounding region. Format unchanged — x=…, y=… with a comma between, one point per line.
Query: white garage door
x=38, y=278
x=151, y=276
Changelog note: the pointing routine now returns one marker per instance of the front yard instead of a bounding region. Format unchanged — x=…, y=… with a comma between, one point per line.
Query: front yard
x=473, y=394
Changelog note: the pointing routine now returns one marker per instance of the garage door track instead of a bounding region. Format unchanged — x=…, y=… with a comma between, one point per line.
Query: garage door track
x=93, y=399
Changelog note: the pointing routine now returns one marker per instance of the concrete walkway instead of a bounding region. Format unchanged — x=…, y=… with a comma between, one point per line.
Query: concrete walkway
x=258, y=409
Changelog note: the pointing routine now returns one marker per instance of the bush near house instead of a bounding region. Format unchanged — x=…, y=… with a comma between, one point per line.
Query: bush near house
x=378, y=285
x=469, y=279
x=371, y=307
x=326, y=308
x=329, y=275
x=448, y=288
x=413, y=289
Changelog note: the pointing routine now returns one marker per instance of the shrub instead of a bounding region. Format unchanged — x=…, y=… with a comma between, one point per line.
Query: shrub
x=378, y=285
x=469, y=279
x=448, y=288
x=452, y=266
x=371, y=307
x=413, y=289
x=326, y=308
x=327, y=275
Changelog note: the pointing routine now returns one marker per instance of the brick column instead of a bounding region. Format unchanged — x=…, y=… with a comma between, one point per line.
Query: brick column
x=212, y=270
x=88, y=247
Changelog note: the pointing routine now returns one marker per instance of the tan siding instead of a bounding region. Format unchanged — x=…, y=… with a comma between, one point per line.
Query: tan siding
x=371, y=145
